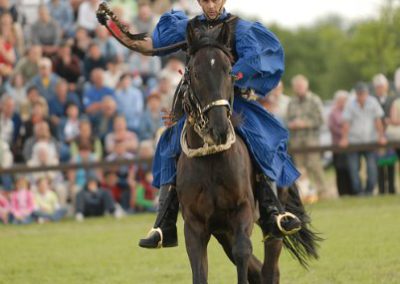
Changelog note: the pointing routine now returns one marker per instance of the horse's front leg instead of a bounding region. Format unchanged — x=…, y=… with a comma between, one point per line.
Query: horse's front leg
x=242, y=249
x=272, y=251
x=197, y=238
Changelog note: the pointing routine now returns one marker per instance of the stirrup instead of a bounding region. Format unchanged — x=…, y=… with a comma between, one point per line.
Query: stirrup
x=279, y=219
x=159, y=231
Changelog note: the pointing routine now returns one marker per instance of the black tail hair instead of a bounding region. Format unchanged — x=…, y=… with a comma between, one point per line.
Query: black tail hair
x=304, y=244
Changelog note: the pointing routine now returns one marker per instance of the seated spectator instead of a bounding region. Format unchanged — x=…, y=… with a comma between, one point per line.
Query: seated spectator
x=165, y=90
x=362, y=124
x=119, y=191
x=106, y=43
x=87, y=15
x=79, y=177
x=8, y=123
x=147, y=67
x=94, y=94
x=86, y=137
x=93, y=60
x=145, y=195
x=33, y=97
x=61, y=12
x=7, y=7
x=93, y=201
x=4, y=208
x=28, y=66
x=22, y=202
x=67, y=65
x=68, y=130
x=47, y=205
x=145, y=20
x=59, y=103
x=46, y=32
x=121, y=135
x=46, y=80
x=113, y=73
x=106, y=118
x=81, y=43
x=130, y=102
x=151, y=119
x=6, y=161
x=7, y=45
x=16, y=89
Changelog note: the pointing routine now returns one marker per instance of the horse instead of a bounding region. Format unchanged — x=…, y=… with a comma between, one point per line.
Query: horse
x=215, y=175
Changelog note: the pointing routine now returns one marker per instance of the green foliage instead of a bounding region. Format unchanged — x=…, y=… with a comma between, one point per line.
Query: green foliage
x=335, y=56
x=361, y=246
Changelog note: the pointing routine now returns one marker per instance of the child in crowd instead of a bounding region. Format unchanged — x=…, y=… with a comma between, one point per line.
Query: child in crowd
x=22, y=202
x=47, y=205
x=4, y=207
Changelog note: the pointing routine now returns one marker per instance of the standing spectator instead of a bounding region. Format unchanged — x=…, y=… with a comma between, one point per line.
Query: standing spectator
x=340, y=160
x=58, y=104
x=22, y=202
x=46, y=32
x=281, y=102
x=304, y=121
x=46, y=80
x=386, y=158
x=47, y=205
x=93, y=201
x=4, y=207
x=151, y=119
x=86, y=137
x=87, y=15
x=67, y=66
x=61, y=12
x=121, y=135
x=363, y=124
x=130, y=102
x=93, y=60
x=397, y=81
x=28, y=66
x=93, y=96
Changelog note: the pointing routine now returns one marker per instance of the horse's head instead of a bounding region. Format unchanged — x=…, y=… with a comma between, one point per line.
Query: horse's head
x=210, y=93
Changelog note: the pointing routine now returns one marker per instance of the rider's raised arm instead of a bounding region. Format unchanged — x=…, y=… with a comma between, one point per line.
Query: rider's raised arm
x=261, y=57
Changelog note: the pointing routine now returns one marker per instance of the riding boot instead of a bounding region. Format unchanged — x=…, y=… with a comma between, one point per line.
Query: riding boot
x=274, y=220
x=164, y=232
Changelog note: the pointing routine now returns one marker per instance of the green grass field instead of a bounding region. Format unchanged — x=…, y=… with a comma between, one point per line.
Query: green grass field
x=362, y=246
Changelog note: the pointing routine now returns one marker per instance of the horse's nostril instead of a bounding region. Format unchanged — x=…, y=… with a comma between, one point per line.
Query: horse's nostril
x=219, y=136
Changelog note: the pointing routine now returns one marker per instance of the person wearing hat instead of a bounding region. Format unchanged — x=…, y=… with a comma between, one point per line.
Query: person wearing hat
x=362, y=125
x=258, y=67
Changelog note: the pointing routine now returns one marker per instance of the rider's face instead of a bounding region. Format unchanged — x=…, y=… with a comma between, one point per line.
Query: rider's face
x=212, y=8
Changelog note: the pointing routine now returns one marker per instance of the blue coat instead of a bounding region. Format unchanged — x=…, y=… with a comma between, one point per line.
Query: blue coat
x=261, y=61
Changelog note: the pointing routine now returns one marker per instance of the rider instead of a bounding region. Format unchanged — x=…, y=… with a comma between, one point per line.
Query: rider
x=258, y=68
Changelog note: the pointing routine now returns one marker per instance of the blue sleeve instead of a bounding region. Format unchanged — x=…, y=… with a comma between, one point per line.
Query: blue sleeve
x=170, y=29
x=261, y=57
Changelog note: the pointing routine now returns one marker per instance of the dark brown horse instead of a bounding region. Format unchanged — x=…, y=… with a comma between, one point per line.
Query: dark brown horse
x=216, y=190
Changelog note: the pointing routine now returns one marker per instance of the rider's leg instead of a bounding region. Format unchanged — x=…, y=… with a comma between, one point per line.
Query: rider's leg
x=164, y=232
x=274, y=220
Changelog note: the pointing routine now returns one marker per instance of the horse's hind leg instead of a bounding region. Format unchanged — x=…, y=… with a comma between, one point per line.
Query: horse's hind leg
x=197, y=240
x=270, y=270
x=255, y=266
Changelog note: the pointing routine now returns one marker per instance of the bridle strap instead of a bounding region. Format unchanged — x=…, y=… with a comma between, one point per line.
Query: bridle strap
x=217, y=104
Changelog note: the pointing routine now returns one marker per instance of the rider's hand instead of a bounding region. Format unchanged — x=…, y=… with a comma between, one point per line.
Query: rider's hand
x=167, y=117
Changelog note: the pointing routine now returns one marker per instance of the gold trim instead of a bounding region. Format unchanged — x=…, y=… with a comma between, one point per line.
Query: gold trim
x=279, y=219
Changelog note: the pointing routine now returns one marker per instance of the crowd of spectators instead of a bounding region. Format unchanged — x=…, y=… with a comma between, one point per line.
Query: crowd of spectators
x=69, y=92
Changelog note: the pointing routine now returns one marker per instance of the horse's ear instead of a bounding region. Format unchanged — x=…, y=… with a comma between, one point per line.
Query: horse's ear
x=224, y=36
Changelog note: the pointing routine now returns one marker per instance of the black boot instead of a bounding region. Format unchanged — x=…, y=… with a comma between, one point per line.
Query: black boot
x=164, y=232
x=274, y=220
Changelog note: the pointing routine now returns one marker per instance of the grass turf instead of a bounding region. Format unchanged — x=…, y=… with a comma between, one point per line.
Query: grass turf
x=362, y=246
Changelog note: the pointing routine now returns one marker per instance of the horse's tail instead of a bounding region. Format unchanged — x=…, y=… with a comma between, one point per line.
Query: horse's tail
x=303, y=245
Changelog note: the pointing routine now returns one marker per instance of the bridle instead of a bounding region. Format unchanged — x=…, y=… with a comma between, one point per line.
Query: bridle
x=196, y=113
x=191, y=102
